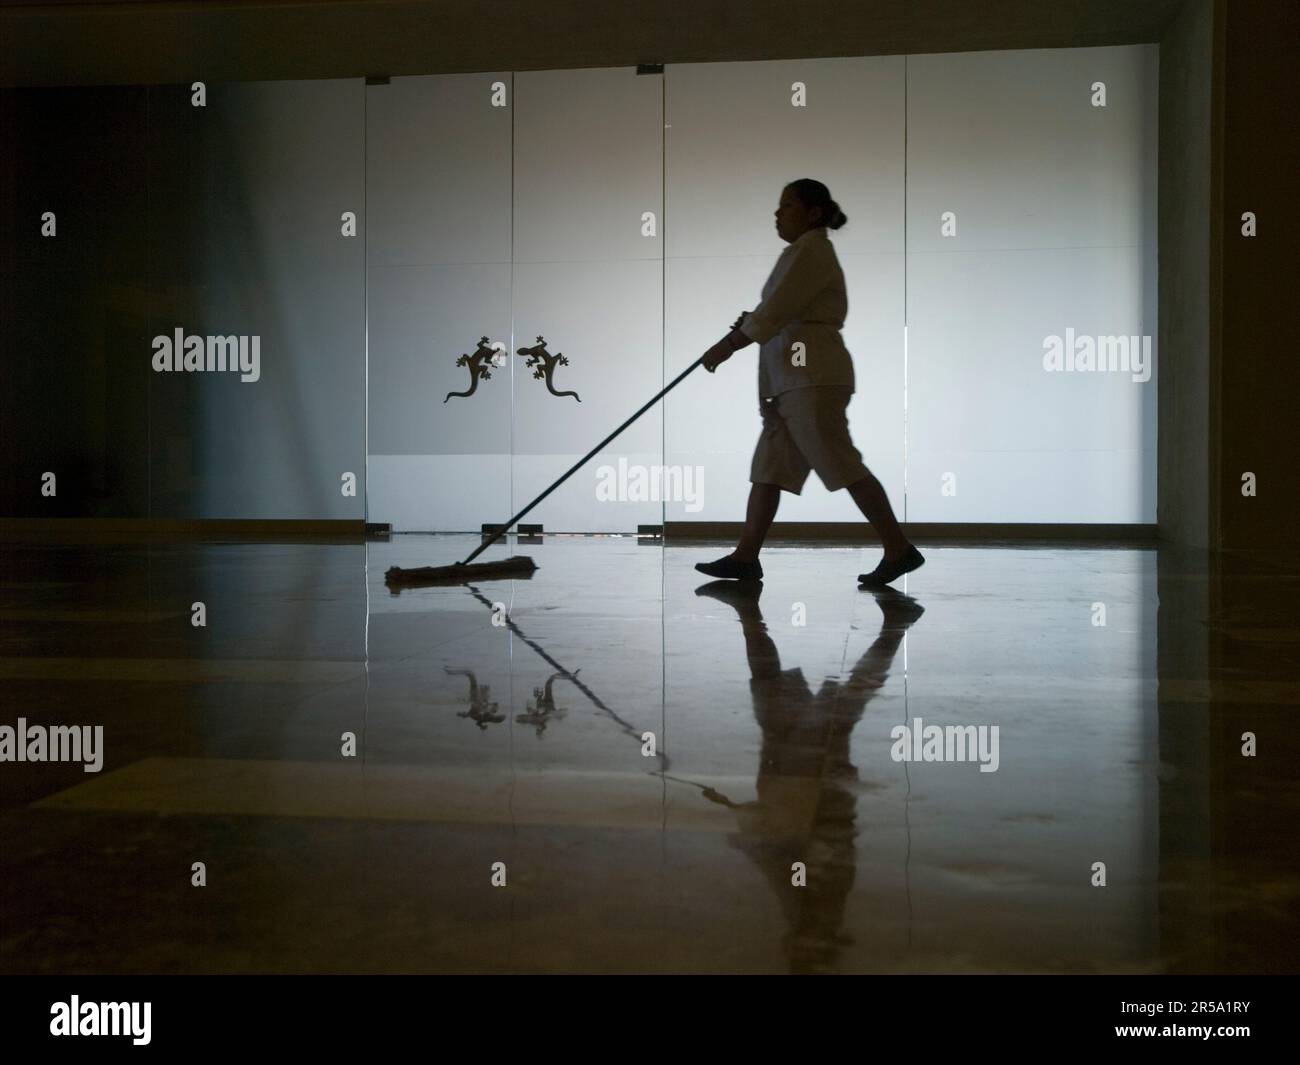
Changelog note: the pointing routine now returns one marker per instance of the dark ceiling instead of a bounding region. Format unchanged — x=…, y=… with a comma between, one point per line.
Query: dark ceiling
x=107, y=42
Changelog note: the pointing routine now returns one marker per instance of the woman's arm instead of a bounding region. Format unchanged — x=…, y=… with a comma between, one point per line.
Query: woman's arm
x=737, y=339
x=726, y=347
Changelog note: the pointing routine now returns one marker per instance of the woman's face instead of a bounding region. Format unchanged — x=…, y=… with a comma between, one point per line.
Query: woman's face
x=793, y=219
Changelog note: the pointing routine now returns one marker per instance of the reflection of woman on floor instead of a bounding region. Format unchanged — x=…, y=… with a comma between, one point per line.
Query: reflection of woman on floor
x=805, y=379
x=806, y=810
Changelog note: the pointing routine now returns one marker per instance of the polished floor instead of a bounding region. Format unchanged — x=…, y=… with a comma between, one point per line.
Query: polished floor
x=669, y=775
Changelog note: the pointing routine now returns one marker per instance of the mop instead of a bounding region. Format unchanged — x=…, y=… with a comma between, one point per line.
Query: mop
x=516, y=566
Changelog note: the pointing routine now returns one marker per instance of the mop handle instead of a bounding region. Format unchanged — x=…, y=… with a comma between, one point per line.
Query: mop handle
x=578, y=465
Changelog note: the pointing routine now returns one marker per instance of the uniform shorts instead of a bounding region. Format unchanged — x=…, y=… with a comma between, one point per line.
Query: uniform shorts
x=807, y=429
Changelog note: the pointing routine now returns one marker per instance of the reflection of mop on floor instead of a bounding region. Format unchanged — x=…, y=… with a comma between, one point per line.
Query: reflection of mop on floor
x=712, y=794
x=625, y=726
x=566, y=674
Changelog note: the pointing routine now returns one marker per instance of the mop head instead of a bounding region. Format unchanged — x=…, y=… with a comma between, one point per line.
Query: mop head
x=517, y=567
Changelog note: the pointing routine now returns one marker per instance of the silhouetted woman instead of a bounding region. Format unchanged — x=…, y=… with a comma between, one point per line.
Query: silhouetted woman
x=805, y=380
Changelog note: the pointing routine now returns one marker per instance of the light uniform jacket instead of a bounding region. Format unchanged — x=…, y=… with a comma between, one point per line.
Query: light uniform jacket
x=804, y=300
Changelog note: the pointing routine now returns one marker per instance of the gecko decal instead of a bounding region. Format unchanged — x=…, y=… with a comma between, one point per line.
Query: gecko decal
x=478, y=367
x=544, y=363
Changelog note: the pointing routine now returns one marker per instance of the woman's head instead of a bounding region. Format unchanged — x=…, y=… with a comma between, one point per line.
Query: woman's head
x=806, y=204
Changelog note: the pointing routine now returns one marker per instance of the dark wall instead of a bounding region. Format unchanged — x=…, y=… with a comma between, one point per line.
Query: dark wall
x=73, y=305
x=222, y=220
x=1258, y=387
x=1259, y=369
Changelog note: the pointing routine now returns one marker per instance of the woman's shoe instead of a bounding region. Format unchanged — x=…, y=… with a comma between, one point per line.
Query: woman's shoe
x=731, y=569
x=887, y=572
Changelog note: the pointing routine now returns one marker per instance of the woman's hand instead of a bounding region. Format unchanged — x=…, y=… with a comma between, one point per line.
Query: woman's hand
x=722, y=350
x=717, y=355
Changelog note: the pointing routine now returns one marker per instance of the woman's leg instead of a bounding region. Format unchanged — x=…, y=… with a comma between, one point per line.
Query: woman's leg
x=763, y=501
x=869, y=495
x=818, y=423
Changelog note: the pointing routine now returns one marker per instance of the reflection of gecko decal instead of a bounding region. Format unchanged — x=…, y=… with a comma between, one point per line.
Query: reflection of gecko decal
x=481, y=710
x=477, y=369
x=546, y=709
x=544, y=364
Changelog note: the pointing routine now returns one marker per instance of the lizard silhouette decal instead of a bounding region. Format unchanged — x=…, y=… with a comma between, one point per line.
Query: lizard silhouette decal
x=478, y=367
x=544, y=363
